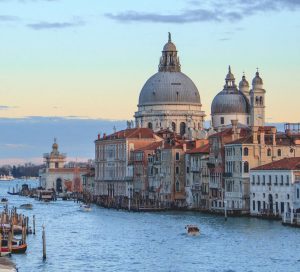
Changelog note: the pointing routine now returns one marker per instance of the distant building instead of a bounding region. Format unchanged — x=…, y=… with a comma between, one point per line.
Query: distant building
x=58, y=177
x=275, y=188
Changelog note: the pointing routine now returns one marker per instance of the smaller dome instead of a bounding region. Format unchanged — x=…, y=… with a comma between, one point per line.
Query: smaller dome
x=257, y=80
x=230, y=103
x=243, y=83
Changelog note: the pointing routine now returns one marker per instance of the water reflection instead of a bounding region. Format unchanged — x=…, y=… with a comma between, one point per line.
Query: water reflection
x=110, y=240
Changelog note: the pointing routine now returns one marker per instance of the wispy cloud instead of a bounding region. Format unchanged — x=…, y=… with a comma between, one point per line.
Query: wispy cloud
x=8, y=18
x=56, y=25
x=204, y=11
x=4, y=107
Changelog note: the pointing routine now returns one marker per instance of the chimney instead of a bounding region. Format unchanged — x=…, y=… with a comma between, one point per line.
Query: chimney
x=184, y=147
x=262, y=137
x=99, y=136
x=274, y=130
x=234, y=124
x=254, y=133
x=104, y=135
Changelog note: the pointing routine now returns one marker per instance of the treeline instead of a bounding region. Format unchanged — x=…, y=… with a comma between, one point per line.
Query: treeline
x=18, y=171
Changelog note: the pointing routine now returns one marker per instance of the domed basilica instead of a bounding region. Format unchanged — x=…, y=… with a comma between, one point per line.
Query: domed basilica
x=170, y=100
x=241, y=104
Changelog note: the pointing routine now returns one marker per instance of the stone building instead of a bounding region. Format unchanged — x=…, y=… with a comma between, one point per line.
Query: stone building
x=263, y=145
x=113, y=161
x=57, y=176
x=169, y=99
x=197, y=176
x=275, y=188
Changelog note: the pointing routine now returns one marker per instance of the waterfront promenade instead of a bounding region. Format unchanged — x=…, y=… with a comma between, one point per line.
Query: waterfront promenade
x=111, y=240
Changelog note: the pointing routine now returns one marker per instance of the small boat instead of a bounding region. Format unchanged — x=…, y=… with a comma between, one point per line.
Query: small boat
x=3, y=201
x=192, y=230
x=85, y=207
x=12, y=193
x=27, y=206
x=17, y=247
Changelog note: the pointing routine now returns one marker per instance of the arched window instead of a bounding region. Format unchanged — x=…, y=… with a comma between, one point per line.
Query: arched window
x=246, y=167
x=177, y=186
x=246, y=151
x=256, y=100
x=182, y=128
x=269, y=152
x=150, y=125
x=279, y=152
x=177, y=170
x=261, y=100
x=173, y=126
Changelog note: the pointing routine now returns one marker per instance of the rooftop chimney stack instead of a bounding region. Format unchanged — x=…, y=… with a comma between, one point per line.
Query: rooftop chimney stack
x=254, y=133
x=274, y=130
x=234, y=124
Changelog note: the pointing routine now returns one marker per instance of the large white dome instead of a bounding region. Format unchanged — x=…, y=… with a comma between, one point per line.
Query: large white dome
x=169, y=88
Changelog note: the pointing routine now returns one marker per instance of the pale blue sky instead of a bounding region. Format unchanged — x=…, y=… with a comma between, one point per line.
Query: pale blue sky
x=90, y=58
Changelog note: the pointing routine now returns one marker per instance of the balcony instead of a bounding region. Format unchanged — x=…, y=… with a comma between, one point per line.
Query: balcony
x=276, y=183
x=281, y=183
x=258, y=183
x=287, y=183
x=269, y=184
x=233, y=195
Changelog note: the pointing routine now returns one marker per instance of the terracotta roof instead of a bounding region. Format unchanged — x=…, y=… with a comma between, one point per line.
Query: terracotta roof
x=284, y=164
x=152, y=146
x=67, y=170
x=202, y=149
x=143, y=133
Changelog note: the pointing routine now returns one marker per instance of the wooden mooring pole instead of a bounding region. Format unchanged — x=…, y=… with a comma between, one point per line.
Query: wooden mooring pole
x=33, y=222
x=44, y=243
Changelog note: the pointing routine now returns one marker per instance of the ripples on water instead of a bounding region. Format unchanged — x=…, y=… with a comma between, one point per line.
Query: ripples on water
x=110, y=240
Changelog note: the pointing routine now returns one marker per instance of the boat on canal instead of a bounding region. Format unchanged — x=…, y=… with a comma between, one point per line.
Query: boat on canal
x=18, y=247
x=4, y=201
x=27, y=206
x=192, y=230
x=86, y=207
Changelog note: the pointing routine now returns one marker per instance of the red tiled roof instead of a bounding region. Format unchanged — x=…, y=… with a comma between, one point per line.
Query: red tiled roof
x=201, y=149
x=143, y=133
x=152, y=146
x=284, y=164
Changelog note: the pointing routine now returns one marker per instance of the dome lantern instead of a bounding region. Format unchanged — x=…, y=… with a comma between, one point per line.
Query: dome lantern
x=257, y=81
x=169, y=62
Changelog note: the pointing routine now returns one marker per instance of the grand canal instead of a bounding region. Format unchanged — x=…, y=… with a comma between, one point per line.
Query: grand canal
x=110, y=240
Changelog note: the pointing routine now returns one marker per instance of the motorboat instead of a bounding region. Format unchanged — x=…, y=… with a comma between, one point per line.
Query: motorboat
x=192, y=230
x=4, y=201
x=27, y=206
x=86, y=207
x=18, y=246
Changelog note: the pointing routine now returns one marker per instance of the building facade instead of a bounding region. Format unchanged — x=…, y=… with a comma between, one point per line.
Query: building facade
x=114, y=161
x=275, y=188
x=57, y=176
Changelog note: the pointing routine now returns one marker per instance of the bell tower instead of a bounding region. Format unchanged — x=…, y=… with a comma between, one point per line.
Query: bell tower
x=257, y=97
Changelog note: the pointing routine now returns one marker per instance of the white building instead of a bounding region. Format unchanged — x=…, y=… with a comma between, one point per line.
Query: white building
x=58, y=177
x=170, y=99
x=233, y=103
x=275, y=187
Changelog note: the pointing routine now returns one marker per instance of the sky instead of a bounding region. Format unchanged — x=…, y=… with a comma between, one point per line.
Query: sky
x=88, y=59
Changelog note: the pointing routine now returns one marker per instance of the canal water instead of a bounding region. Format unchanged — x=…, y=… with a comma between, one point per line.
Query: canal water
x=110, y=240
